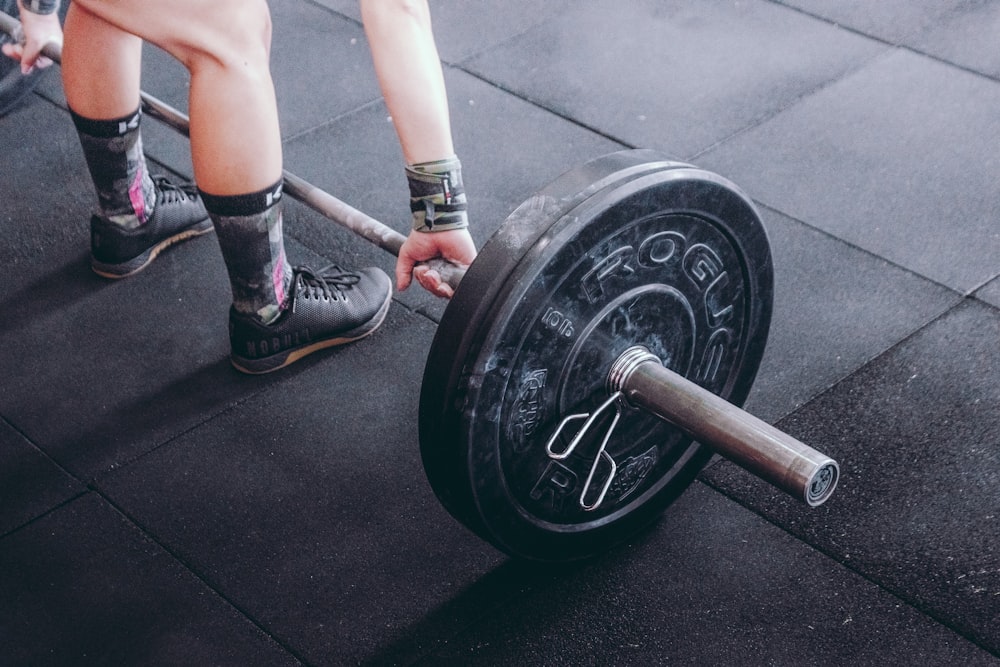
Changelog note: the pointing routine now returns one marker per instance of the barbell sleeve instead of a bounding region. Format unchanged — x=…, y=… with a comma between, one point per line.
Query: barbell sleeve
x=751, y=443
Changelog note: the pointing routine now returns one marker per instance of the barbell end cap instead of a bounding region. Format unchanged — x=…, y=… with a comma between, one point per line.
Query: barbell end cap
x=822, y=484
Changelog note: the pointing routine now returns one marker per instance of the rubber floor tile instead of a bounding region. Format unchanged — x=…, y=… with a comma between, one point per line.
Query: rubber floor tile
x=917, y=510
x=890, y=159
x=465, y=27
x=990, y=293
x=710, y=584
x=97, y=373
x=963, y=33
x=30, y=483
x=308, y=507
x=835, y=308
x=83, y=586
x=677, y=76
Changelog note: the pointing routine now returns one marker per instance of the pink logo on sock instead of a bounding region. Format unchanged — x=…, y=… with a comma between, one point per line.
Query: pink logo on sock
x=136, y=197
x=278, y=278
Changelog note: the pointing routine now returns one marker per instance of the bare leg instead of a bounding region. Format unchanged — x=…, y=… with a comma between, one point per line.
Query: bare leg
x=101, y=73
x=235, y=139
x=236, y=150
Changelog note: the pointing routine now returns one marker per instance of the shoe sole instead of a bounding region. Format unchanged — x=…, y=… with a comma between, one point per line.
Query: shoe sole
x=140, y=262
x=279, y=361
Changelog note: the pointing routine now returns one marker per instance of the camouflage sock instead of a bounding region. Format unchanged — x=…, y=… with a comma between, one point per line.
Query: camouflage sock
x=113, y=151
x=249, y=231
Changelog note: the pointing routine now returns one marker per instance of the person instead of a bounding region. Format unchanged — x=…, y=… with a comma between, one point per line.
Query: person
x=280, y=313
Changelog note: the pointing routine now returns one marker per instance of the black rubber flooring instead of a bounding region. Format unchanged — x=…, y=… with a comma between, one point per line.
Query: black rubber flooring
x=159, y=508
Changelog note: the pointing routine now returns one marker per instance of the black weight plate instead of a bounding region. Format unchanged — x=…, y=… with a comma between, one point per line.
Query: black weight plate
x=631, y=249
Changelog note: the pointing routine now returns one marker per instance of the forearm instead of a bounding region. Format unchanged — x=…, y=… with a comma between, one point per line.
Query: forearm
x=409, y=72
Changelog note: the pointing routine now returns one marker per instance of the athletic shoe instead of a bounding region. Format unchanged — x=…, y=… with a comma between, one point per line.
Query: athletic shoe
x=328, y=307
x=116, y=252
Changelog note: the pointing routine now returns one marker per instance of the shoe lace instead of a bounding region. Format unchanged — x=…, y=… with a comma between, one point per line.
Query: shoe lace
x=172, y=193
x=327, y=283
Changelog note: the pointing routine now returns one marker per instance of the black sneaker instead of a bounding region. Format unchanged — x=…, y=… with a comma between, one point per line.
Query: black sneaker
x=328, y=307
x=178, y=215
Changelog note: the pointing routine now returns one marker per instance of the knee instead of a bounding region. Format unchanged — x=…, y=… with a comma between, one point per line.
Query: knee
x=237, y=34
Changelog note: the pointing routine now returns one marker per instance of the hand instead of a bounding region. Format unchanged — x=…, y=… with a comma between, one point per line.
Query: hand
x=455, y=245
x=37, y=31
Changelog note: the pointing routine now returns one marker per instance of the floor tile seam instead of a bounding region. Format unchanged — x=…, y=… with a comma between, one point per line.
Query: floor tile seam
x=37, y=448
x=455, y=64
x=333, y=12
x=875, y=357
x=481, y=78
x=417, y=311
x=847, y=375
x=35, y=519
x=118, y=466
x=817, y=396
x=948, y=63
x=982, y=285
x=986, y=303
x=34, y=446
x=865, y=251
x=226, y=409
x=831, y=22
x=543, y=107
x=333, y=120
x=428, y=315
x=190, y=567
x=903, y=45
x=496, y=46
x=763, y=119
x=898, y=593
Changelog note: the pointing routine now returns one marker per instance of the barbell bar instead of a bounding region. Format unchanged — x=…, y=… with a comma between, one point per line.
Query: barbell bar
x=541, y=379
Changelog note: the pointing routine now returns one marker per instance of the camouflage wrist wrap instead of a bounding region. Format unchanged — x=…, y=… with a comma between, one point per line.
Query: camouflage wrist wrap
x=437, y=196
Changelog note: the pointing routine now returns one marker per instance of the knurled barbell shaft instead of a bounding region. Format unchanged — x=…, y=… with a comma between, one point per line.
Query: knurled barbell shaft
x=315, y=198
x=755, y=445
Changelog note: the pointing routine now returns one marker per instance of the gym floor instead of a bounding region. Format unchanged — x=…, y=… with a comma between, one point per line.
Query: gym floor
x=159, y=508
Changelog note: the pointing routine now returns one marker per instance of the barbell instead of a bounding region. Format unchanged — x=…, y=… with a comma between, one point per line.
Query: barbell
x=595, y=355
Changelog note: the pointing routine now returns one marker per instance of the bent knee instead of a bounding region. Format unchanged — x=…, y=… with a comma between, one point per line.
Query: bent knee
x=231, y=33
x=228, y=31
